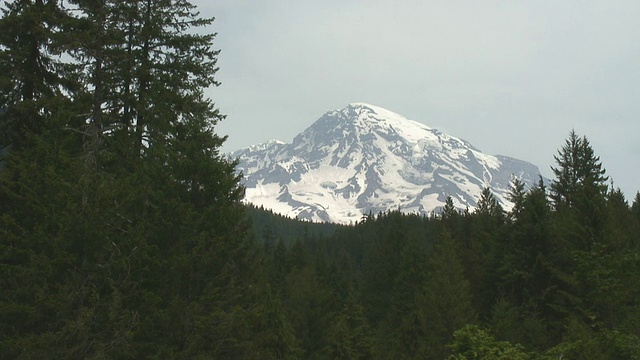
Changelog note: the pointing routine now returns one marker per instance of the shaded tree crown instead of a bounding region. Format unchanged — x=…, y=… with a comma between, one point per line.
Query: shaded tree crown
x=579, y=172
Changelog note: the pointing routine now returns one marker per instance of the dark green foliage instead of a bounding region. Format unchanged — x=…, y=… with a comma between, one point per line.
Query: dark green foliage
x=519, y=325
x=118, y=240
x=31, y=79
x=582, y=341
x=4, y=152
x=635, y=207
x=123, y=235
x=58, y=246
x=579, y=226
x=274, y=335
x=516, y=196
x=523, y=273
x=472, y=342
x=402, y=321
x=310, y=306
x=418, y=280
x=579, y=173
x=482, y=246
x=350, y=336
x=445, y=303
x=269, y=228
x=578, y=193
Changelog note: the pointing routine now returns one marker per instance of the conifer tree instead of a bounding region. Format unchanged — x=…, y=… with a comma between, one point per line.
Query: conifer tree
x=516, y=196
x=579, y=173
x=30, y=75
x=123, y=216
x=4, y=151
x=449, y=209
x=380, y=266
x=523, y=271
x=273, y=336
x=445, y=301
x=618, y=217
x=577, y=259
x=635, y=206
x=484, y=250
x=36, y=186
x=578, y=192
x=489, y=205
x=472, y=342
x=350, y=335
x=402, y=332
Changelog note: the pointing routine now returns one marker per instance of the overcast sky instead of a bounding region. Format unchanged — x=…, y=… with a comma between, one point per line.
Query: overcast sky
x=511, y=77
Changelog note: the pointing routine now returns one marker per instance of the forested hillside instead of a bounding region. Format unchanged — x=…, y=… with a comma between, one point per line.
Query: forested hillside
x=123, y=233
x=269, y=228
x=557, y=277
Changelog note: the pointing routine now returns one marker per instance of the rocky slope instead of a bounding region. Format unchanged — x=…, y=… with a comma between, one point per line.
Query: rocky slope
x=362, y=159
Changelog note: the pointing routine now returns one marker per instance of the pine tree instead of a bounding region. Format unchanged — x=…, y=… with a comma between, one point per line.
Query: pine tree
x=635, y=206
x=123, y=214
x=309, y=308
x=4, y=151
x=449, y=210
x=350, y=336
x=618, y=218
x=445, y=301
x=516, y=196
x=472, y=342
x=579, y=174
x=489, y=205
x=583, y=271
x=380, y=266
x=513, y=323
x=578, y=192
x=483, y=252
x=522, y=272
x=37, y=187
x=31, y=79
x=402, y=332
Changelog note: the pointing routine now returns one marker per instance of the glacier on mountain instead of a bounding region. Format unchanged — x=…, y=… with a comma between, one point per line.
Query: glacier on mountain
x=363, y=159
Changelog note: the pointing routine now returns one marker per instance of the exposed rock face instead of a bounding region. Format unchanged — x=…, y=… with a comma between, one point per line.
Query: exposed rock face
x=363, y=159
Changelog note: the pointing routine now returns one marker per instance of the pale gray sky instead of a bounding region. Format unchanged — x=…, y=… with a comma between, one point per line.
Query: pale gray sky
x=511, y=77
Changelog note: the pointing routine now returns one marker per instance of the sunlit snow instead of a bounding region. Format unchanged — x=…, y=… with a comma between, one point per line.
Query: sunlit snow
x=363, y=159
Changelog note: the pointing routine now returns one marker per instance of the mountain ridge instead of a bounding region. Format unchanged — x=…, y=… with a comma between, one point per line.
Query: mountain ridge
x=364, y=158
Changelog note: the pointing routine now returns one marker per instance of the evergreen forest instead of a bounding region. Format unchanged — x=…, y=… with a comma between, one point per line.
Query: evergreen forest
x=123, y=234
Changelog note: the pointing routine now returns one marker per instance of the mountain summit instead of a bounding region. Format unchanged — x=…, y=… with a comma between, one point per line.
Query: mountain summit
x=364, y=158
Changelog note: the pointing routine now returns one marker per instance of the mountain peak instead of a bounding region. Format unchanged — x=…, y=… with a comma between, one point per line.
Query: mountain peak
x=364, y=158
x=367, y=118
x=368, y=111
x=371, y=108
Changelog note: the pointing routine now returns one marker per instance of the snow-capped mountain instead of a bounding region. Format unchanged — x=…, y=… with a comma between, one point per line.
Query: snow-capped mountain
x=363, y=159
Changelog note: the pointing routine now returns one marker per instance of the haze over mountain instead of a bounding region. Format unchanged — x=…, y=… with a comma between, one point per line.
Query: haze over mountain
x=364, y=158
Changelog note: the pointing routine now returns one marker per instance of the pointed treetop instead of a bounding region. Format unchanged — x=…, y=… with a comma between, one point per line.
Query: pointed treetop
x=579, y=171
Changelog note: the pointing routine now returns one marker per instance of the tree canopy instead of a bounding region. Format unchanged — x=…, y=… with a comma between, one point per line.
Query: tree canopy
x=123, y=233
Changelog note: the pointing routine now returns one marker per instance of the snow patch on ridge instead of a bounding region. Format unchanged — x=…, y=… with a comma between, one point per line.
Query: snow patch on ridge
x=365, y=158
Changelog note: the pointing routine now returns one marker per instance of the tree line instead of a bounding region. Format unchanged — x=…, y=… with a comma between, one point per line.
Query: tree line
x=123, y=233
x=556, y=276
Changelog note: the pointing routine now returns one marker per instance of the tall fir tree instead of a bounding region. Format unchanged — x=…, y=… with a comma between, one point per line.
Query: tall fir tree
x=635, y=208
x=350, y=336
x=133, y=240
x=580, y=254
x=483, y=251
x=579, y=173
x=445, y=300
x=516, y=196
x=32, y=79
x=579, y=192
